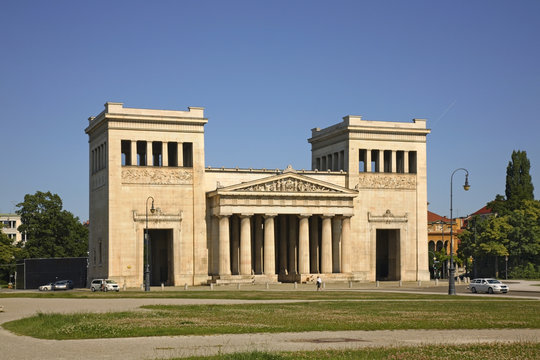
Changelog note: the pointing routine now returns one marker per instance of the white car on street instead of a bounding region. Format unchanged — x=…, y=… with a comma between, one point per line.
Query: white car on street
x=104, y=285
x=46, y=287
x=488, y=285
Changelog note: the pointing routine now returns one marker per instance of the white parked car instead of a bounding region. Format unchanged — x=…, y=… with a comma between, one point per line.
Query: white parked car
x=488, y=285
x=104, y=285
x=46, y=287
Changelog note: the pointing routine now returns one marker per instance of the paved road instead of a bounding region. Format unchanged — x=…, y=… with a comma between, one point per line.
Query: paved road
x=21, y=347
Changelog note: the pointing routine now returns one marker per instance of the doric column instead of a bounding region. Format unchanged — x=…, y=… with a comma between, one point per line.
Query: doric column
x=213, y=252
x=164, y=154
x=314, y=245
x=235, y=245
x=406, y=162
x=293, y=234
x=303, y=245
x=326, y=245
x=269, y=245
x=381, y=161
x=224, y=248
x=245, y=245
x=346, y=245
x=180, y=154
x=149, y=154
x=368, y=160
x=133, y=160
x=282, y=244
x=336, y=242
x=258, y=245
x=393, y=159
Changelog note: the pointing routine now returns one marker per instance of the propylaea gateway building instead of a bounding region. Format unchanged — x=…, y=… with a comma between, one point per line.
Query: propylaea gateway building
x=358, y=215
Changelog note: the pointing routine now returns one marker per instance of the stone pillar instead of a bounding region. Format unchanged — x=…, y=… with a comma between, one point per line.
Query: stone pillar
x=368, y=160
x=235, y=246
x=180, y=154
x=283, y=244
x=269, y=245
x=314, y=245
x=381, y=161
x=346, y=245
x=133, y=153
x=293, y=234
x=406, y=162
x=213, y=252
x=149, y=154
x=258, y=244
x=303, y=245
x=393, y=159
x=164, y=154
x=245, y=245
x=326, y=245
x=224, y=246
x=336, y=242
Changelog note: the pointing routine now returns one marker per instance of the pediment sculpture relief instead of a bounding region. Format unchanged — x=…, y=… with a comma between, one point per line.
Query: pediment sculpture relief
x=288, y=185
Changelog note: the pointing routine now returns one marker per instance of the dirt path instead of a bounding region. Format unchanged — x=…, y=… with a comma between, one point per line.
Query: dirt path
x=22, y=347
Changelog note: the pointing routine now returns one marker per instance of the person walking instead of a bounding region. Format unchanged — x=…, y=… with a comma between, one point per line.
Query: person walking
x=319, y=283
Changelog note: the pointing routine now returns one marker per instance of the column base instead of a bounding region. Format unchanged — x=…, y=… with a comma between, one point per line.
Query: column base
x=243, y=279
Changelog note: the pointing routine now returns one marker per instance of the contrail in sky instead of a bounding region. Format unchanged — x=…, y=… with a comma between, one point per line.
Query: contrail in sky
x=444, y=112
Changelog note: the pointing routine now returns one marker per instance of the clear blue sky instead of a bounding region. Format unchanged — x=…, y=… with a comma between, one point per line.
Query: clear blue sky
x=267, y=72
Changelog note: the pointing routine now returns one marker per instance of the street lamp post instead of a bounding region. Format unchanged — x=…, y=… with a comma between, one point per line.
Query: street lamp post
x=466, y=187
x=147, y=248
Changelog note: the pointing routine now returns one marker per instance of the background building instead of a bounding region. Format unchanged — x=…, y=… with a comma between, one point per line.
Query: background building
x=10, y=224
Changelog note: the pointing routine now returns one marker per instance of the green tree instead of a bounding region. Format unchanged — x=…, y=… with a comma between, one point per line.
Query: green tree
x=524, y=234
x=9, y=253
x=51, y=231
x=485, y=238
x=518, y=179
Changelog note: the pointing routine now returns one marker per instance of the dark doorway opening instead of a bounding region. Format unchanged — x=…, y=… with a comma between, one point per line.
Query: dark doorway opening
x=161, y=251
x=387, y=255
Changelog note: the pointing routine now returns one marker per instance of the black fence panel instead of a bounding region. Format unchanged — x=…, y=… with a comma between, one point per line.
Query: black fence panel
x=42, y=271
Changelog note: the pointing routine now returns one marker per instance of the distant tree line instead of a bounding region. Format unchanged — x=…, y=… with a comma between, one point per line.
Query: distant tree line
x=511, y=235
x=50, y=231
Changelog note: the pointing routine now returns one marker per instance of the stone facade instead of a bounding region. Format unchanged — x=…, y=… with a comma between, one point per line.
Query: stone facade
x=359, y=214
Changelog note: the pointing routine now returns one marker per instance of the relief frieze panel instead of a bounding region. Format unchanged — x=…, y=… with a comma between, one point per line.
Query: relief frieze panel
x=289, y=185
x=156, y=175
x=386, y=181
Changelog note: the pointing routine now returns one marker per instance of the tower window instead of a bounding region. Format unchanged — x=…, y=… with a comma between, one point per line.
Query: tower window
x=141, y=153
x=126, y=152
x=187, y=151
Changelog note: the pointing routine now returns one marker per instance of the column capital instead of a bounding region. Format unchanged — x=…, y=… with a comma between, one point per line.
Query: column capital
x=242, y=216
x=327, y=216
x=219, y=216
x=301, y=216
x=268, y=216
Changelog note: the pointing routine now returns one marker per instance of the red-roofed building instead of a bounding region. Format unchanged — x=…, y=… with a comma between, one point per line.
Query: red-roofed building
x=439, y=237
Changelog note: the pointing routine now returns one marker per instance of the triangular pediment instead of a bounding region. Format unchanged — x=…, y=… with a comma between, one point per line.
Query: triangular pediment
x=288, y=182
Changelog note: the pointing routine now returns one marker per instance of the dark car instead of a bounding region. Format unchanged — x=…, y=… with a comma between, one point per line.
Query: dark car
x=63, y=285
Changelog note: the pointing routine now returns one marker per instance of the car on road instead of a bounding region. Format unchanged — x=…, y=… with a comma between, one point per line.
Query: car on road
x=104, y=285
x=487, y=285
x=63, y=285
x=46, y=287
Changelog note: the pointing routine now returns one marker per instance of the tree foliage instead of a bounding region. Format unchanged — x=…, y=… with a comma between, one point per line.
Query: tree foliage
x=50, y=231
x=519, y=184
x=514, y=228
x=8, y=255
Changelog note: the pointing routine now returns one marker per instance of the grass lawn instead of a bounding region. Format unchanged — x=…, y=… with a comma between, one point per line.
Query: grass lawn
x=379, y=312
x=463, y=352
